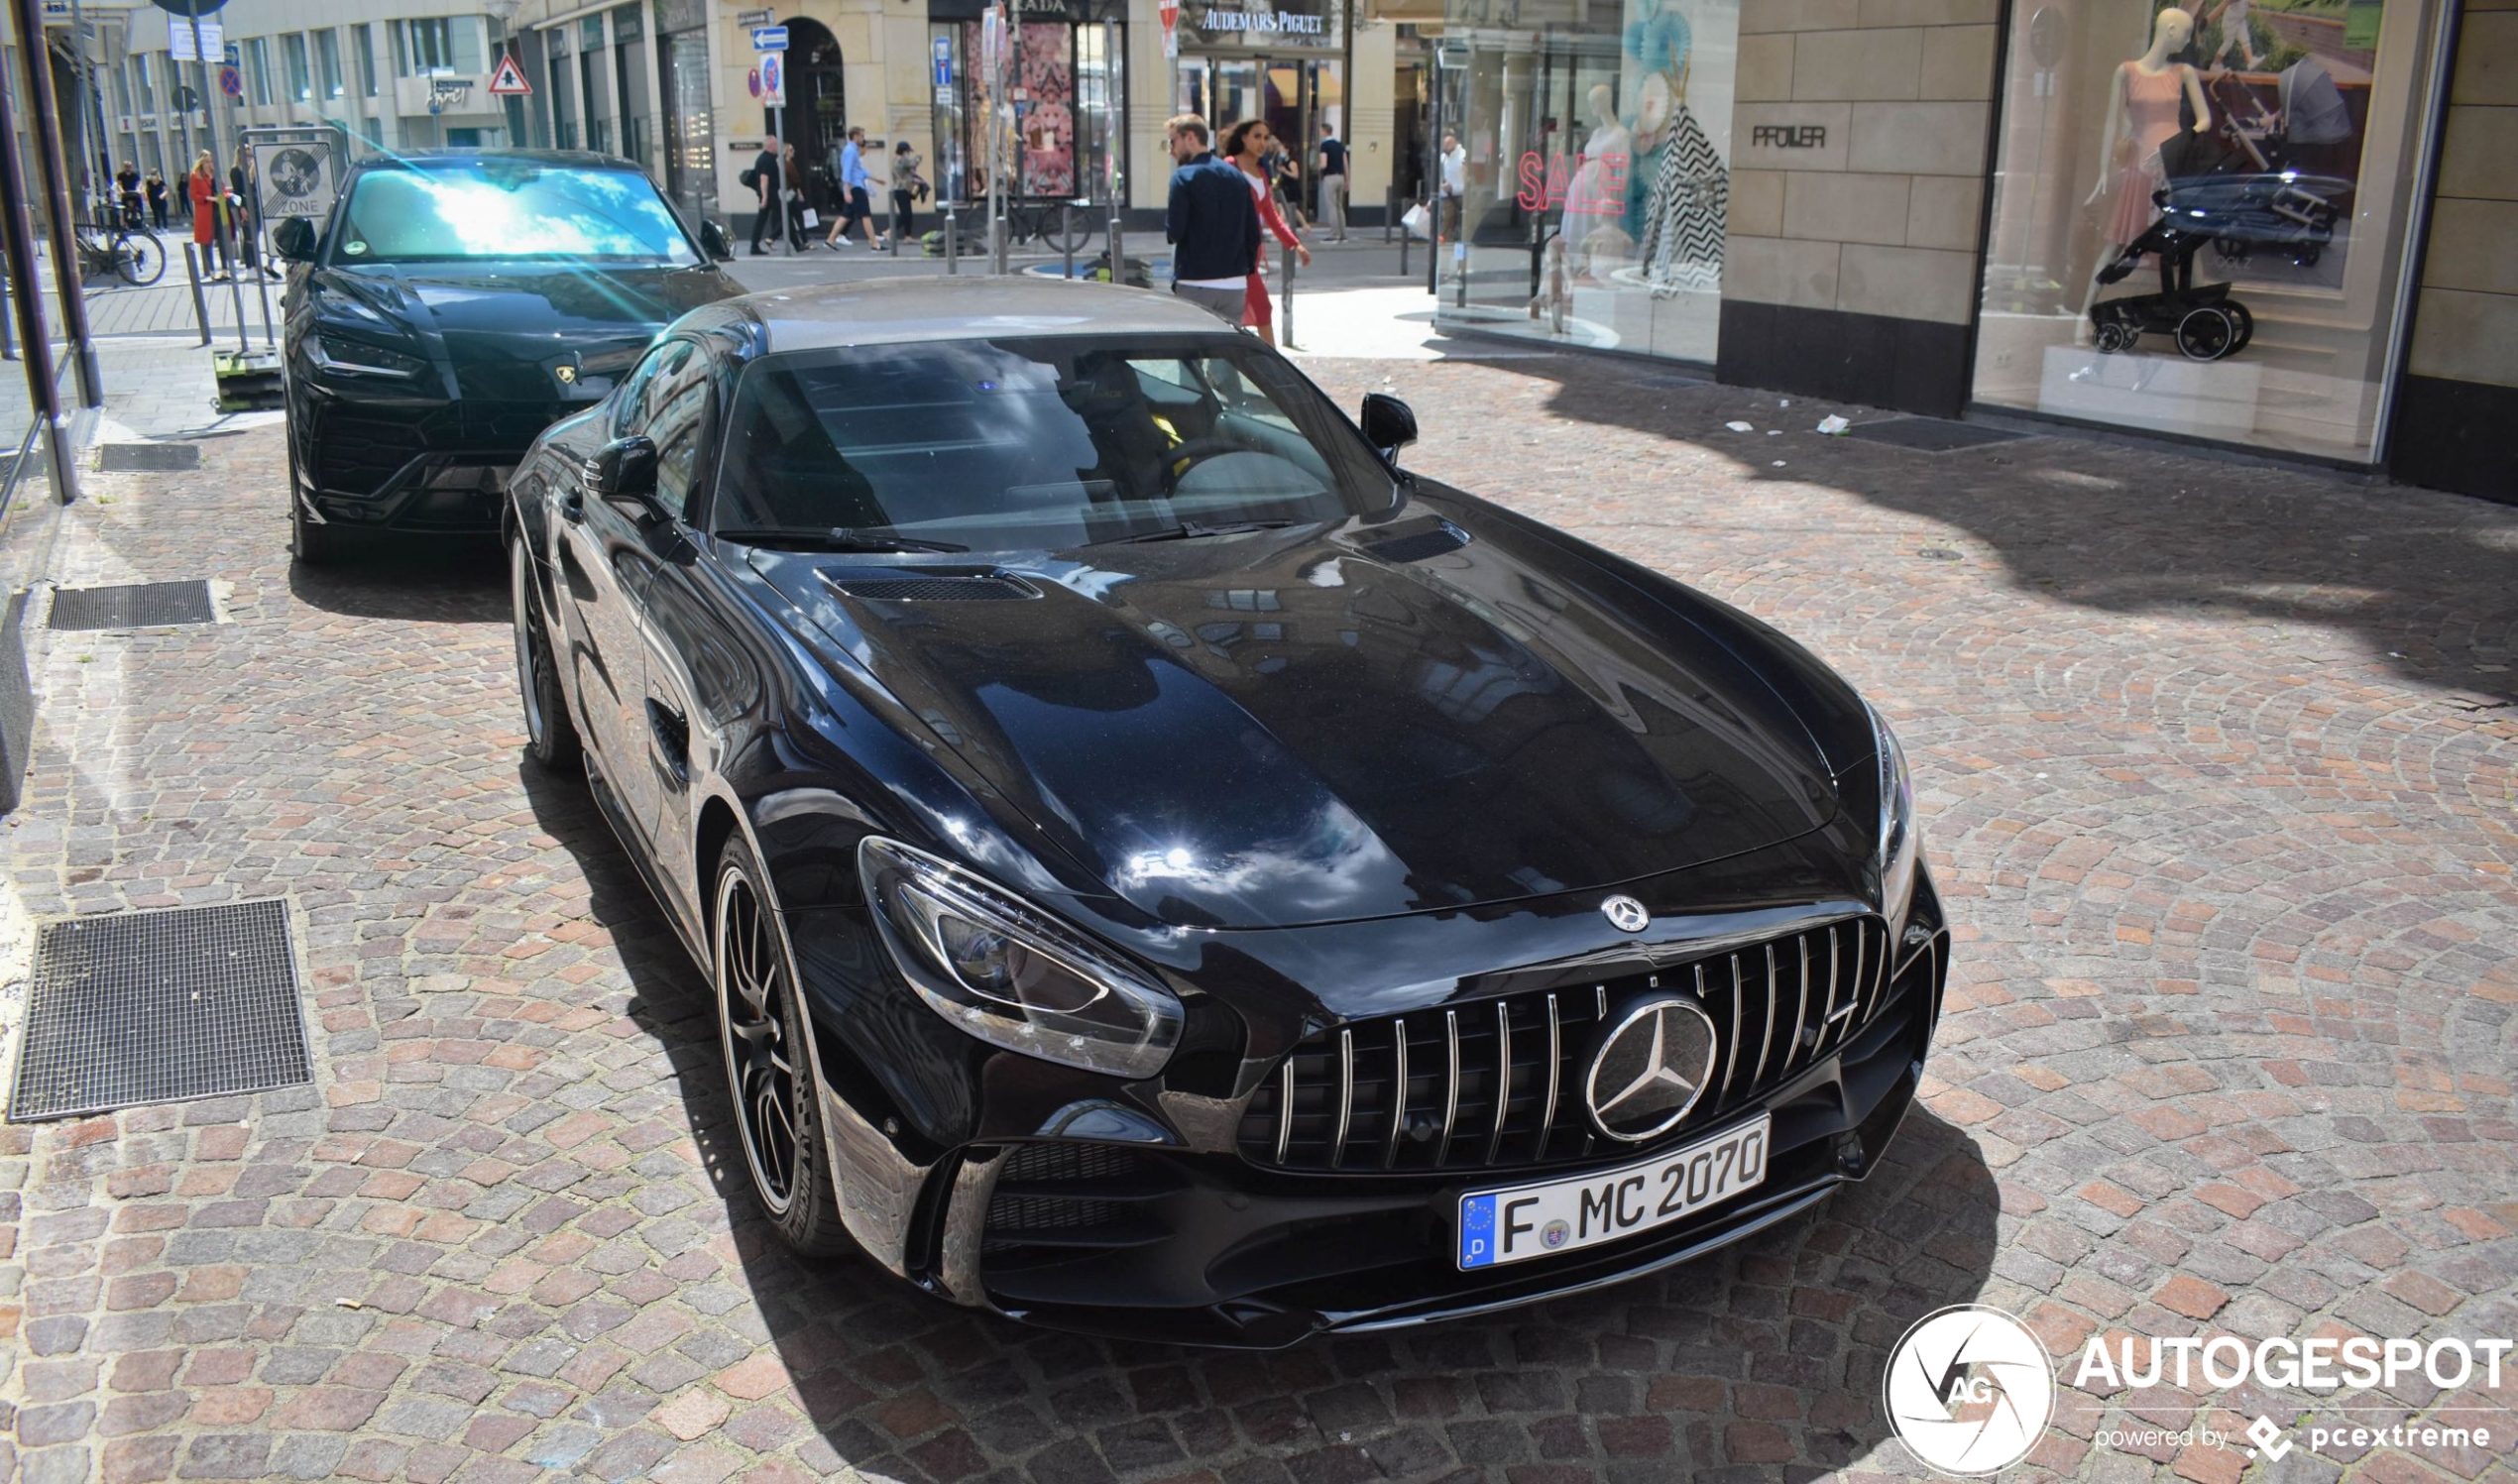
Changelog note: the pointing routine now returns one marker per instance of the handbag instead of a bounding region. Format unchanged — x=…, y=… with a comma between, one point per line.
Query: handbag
x=1418, y=221
x=751, y=179
x=812, y=218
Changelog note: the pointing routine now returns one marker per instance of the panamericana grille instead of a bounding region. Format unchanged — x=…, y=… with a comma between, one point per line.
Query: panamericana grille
x=1498, y=1082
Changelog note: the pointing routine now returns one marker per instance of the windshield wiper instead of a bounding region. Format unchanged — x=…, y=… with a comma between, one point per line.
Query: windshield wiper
x=1191, y=528
x=830, y=538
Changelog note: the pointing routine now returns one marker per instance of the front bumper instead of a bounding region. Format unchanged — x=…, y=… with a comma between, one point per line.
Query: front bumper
x=424, y=466
x=1119, y=1230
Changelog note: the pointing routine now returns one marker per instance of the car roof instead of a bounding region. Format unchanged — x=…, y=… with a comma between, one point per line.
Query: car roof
x=904, y=311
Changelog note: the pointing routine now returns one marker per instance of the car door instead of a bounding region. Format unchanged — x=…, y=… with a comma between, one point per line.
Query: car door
x=606, y=557
x=699, y=677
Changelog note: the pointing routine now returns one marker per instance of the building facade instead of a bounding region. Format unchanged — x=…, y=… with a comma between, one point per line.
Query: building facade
x=2280, y=226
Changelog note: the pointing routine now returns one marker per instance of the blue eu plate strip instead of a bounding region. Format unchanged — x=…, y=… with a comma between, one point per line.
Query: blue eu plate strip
x=1477, y=1231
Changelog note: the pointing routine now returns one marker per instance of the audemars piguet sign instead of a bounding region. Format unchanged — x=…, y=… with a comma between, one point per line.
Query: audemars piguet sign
x=1258, y=24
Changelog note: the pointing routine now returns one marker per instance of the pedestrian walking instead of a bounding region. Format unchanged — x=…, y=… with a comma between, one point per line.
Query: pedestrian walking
x=763, y=179
x=1331, y=161
x=906, y=184
x=127, y=194
x=857, y=200
x=1455, y=183
x=1249, y=146
x=155, y=190
x=798, y=239
x=245, y=214
x=1284, y=180
x=201, y=188
x=1210, y=221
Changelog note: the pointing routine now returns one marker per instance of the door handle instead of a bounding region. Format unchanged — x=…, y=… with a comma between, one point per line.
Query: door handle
x=572, y=507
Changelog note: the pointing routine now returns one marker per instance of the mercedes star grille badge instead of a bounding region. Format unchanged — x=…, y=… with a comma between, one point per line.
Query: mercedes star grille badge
x=1626, y=914
x=1649, y=1069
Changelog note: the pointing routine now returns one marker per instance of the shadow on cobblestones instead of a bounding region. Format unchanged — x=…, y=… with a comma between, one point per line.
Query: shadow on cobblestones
x=431, y=579
x=2419, y=580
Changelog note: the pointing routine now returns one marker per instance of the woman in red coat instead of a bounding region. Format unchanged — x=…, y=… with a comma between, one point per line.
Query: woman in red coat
x=201, y=188
x=1244, y=143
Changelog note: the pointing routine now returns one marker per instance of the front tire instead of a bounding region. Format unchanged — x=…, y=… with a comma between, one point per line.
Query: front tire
x=763, y=1028
x=549, y=734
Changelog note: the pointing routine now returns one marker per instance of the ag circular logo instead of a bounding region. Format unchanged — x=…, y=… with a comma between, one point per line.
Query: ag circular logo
x=1969, y=1390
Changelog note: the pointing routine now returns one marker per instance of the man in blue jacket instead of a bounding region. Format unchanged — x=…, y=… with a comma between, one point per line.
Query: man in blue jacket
x=1211, y=223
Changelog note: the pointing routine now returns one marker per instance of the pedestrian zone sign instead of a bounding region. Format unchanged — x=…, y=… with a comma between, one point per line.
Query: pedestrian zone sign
x=509, y=81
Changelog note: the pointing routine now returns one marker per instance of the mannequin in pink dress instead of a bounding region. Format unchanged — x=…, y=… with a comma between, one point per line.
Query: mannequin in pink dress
x=2141, y=116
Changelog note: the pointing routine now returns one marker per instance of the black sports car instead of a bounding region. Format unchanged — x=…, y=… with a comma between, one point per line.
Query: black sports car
x=1167, y=871
x=451, y=308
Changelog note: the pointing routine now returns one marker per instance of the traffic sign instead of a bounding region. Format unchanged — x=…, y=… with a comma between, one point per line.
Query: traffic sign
x=231, y=82
x=943, y=62
x=756, y=18
x=773, y=78
x=509, y=81
x=769, y=38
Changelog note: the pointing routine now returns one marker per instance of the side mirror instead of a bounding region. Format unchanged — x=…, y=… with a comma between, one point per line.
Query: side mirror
x=293, y=239
x=1389, y=424
x=624, y=470
x=713, y=240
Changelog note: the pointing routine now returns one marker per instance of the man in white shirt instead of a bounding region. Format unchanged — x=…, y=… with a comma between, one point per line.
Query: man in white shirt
x=1455, y=183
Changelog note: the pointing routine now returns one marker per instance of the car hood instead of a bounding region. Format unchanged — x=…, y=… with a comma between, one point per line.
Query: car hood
x=1309, y=725
x=503, y=330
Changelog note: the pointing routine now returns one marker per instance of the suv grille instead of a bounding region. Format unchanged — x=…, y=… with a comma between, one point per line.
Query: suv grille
x=1499, y=1082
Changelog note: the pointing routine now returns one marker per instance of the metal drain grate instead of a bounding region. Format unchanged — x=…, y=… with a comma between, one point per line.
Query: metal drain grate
x=1931, y=435
x=144, y=604
x=147, y=458
x=140, y=1007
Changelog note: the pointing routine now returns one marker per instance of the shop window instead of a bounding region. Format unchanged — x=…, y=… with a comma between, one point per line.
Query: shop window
x=363, y=42
x=1595, y=170
x=2199, y=216
x=329, y=63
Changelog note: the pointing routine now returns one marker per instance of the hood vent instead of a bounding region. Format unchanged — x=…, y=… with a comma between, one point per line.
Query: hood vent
x=1418, y=541
x=931, y=586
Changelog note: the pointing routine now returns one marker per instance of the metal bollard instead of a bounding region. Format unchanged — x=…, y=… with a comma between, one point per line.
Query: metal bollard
x=953, y=240
x=1285, y=321
x=1404, y=236
x=8, y=334
x=1388, y=213
x=1067, y=236
x=200, y=306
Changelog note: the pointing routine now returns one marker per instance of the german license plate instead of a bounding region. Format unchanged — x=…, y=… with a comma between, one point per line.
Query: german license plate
x=1519, y=1222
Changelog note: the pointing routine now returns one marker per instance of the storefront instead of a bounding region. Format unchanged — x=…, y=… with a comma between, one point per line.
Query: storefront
x=1285, y=63
x=1061, y=79
x=2200, y=219
x=1596, y=155
x=689, y=120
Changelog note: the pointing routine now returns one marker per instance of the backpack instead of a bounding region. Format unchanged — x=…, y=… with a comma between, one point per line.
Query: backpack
x=750, y=177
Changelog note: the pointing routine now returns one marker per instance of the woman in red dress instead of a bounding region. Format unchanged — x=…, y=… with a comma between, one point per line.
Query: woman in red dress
x=1244, y=143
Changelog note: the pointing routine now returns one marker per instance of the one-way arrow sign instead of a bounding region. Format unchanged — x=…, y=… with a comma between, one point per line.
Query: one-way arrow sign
x=509, y=81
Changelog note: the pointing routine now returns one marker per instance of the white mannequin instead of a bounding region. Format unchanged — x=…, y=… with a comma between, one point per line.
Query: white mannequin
x=2119, y=148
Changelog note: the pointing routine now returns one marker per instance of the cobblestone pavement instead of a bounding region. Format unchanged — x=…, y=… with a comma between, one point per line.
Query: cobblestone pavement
x=2218, y=768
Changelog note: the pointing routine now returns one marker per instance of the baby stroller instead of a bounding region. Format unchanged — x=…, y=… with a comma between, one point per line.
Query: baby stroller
x=2207, y=323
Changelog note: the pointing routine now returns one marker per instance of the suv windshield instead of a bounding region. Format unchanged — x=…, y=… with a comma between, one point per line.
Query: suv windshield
x=521, y=208
x=1046, y=443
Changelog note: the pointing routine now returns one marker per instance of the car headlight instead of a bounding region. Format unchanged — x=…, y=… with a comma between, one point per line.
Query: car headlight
x=1899, y=844
x=346, y=357
x=1008, y=975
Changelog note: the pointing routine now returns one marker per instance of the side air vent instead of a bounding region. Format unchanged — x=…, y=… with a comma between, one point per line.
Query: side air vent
x=1418, y=541
x=931, y=587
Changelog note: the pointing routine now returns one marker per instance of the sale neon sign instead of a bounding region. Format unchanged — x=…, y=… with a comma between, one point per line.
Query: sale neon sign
x=1562, y=180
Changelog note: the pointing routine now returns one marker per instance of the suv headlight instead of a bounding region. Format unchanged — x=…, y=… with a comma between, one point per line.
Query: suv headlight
x=343, y=356
x=1009, y=976
x=1899, y=845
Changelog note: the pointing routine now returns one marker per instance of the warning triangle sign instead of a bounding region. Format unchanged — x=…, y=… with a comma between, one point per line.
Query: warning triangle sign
x=509, y=81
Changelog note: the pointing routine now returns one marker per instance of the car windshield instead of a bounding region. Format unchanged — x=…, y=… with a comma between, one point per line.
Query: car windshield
x=517, y=208
x=1005, y=445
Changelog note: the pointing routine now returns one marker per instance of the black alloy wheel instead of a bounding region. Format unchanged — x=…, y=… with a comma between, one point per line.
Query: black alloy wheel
x=769, y=1064
x=549, y=734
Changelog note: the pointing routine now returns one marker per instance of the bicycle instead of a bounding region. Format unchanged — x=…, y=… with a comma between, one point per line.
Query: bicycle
x=1043, y=221
x=132, y=253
